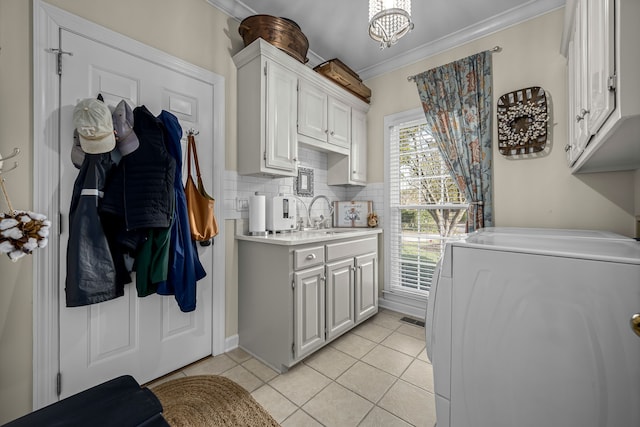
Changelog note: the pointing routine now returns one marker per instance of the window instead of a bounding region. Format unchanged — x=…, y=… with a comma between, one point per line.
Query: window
x=425, y=207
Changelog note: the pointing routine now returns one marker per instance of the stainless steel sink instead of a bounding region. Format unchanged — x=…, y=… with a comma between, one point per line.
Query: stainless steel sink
x=329, y=231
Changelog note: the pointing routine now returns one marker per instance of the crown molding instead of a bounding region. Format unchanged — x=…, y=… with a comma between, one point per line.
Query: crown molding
x=532, y=9
x=234, y=8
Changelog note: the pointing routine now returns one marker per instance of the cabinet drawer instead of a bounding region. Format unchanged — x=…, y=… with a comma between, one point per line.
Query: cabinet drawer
x=351, y=248
x=303, y=258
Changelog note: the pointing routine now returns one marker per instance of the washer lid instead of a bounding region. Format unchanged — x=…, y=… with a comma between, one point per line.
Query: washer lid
x=565, y=243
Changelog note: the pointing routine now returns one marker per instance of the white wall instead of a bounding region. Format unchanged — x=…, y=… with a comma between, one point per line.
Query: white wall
x=536, y=192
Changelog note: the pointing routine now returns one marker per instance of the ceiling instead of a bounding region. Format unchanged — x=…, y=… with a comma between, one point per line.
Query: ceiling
x=339, y=28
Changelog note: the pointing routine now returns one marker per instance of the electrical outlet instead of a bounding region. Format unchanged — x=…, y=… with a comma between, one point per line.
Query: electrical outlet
x=242, y=204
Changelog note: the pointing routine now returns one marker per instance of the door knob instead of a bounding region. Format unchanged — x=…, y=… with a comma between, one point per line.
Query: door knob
x=635, y=323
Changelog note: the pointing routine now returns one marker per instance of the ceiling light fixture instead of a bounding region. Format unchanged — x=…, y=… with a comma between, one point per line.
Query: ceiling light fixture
x=389, y=20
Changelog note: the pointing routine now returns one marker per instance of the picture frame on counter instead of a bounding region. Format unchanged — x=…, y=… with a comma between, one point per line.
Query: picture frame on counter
x=353, y=213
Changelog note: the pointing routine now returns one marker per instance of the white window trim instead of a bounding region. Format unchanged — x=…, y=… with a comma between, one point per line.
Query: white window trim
x=396, y=299
x=405, y=301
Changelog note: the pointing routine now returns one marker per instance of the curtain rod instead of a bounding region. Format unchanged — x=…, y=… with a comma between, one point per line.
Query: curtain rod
x=493, y=49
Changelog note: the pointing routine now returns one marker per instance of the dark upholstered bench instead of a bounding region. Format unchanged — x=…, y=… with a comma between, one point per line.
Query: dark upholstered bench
x=120, y=402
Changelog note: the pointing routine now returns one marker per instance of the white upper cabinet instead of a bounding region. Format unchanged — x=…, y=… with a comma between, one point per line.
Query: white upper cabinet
x=601, y=42
x=267, y=113
x=600, y=66
x=352, y=168
x=281, y=103
x=577, y=84
x=281, y=108
x=312, y=111
x=324, y=122
x=339, y=121
x=358, y=156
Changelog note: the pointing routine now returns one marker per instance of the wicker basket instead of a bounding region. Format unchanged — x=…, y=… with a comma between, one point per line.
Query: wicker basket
x=337, y=71
x=283, y=33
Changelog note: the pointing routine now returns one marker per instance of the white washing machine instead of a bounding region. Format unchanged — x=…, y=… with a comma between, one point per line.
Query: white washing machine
x=533, y=328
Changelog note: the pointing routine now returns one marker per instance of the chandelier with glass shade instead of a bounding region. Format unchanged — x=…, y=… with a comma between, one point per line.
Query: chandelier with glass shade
x=389, y=20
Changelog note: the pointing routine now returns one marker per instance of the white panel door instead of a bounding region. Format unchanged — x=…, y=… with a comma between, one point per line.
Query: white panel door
x=601, y=65
x=366, y=286
x=282, y=114
x=308, y=311
x=340, y=293
x=144, y=337
x=358, y=156
x=312, y=111
x=339, y=122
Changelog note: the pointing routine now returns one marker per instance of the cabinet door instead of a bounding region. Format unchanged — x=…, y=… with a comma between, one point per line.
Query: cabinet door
x=339, y=122
x=340, y=294
x=601, y=66
x=366, y=286
x=309, y=321
x=312, y=111
x=281, y=115
x=358, y=156
x=577, y=82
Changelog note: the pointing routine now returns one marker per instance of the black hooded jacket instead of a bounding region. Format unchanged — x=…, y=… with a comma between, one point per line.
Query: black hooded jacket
x=92, y=274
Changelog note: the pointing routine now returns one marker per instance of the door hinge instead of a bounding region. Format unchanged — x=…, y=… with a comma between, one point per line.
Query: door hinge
x=611, y=83
x=265, y=68
x=59, y=383
x=264, y=155
x=293, y=349
x=293, y=284
x=59, y=53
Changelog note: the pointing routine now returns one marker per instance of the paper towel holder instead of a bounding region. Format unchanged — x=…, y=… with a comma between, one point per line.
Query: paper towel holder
x=257, y=213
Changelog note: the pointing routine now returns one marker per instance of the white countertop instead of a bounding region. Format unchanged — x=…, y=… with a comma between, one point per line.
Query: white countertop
x=310, y=236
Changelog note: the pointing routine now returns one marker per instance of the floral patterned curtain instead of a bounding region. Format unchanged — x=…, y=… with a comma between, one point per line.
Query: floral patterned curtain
x=457, y=100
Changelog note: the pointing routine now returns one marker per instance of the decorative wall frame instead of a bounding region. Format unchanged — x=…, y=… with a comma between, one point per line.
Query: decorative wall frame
x=352, y=214
x=522, y=121
x=304, y=182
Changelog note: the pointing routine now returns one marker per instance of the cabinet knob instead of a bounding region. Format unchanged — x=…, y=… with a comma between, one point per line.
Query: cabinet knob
x=354, y=172
x=311, y=256
x=567, y=147
x=326, y=131
x=332, y=133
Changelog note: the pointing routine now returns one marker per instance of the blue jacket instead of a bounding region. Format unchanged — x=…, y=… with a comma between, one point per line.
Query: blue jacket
x=185, y=268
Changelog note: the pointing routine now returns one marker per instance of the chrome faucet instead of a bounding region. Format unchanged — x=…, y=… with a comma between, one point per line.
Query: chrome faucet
x=323, y=220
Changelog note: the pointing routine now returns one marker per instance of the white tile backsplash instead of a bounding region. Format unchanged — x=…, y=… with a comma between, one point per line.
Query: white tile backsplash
x=241, y=187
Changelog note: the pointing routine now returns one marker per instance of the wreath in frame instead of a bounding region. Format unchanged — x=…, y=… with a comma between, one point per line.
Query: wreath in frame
x=522, y=121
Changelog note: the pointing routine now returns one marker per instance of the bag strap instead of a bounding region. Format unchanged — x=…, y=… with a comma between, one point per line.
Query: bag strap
x=192, y=145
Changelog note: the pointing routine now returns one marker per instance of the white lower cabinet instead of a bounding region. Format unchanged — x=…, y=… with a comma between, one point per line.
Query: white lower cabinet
x=294, y=299
x=309, y=291
x=340, y=297
x=366, y=286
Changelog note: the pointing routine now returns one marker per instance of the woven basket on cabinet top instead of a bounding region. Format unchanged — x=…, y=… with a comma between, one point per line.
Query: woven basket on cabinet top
x=283, y=33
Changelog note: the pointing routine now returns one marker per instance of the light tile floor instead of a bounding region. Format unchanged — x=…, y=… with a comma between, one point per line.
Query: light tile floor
x=377, y=374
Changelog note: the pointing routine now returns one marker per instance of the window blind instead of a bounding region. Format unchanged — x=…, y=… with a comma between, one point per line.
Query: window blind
x=426, y=206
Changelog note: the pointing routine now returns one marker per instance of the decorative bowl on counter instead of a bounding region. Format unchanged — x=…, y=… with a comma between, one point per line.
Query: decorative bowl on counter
x=283, y=33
